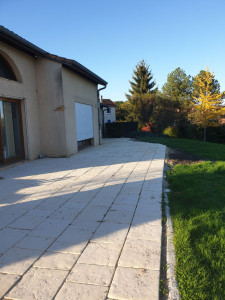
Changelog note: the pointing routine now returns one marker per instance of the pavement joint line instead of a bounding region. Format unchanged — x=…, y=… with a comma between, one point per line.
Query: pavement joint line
x=51, y=195
x=46, y=218
x=21, y=276
x=133, y=163
x=129, y=226
x=103, y=221
x=65, y=279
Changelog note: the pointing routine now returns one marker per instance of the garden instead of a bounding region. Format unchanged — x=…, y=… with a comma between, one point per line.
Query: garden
x=197, y=203
x=187, y=116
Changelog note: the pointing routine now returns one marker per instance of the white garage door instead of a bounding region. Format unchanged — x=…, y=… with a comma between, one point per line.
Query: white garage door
x=84, y=121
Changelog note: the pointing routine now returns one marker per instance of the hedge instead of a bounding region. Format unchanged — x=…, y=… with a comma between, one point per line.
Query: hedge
x=120, y=129
x=213, y=134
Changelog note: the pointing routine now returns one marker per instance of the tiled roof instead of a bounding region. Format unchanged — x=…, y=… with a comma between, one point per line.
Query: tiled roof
x=73, y=65
x=108, y=102
x=20, y=43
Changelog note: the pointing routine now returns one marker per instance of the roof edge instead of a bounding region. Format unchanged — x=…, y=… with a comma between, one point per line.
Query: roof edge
x=11, y=37
x=80, y=69
x=20, y=43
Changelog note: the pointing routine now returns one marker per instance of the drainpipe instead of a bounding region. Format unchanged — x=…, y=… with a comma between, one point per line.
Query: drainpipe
x=104, y=120
x=98, y=101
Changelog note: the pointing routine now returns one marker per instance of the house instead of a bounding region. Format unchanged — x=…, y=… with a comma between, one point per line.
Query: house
x=48, y=104
x=110, y=111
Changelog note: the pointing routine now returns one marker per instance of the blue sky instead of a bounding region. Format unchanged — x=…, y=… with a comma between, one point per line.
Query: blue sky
x=110, y=37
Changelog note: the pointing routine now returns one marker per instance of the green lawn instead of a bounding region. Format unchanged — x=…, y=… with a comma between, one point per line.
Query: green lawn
x=203, y=150
x=197, y=202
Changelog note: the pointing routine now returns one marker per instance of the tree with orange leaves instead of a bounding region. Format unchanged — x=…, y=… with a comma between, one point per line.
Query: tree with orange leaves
x=207, y=104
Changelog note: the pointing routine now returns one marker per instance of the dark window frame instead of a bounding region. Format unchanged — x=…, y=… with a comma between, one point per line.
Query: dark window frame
x=19, y=157
x=6, y=70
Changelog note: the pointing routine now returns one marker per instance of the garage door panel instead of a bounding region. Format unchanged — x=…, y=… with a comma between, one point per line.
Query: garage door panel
x=84, y=121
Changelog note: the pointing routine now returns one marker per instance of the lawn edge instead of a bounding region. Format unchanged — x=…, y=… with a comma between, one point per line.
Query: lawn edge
x=173, y=289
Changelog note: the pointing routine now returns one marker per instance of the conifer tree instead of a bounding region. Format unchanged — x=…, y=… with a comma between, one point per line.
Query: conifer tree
x=143, y=82
x=178, y=86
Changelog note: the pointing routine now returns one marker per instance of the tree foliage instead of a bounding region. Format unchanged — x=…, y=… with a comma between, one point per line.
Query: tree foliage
x=143, y=82
x=183, y=102
x=207, y=108
x=125, y=111
x=213, y=87
x=178, y=91
x=121, y=112
x=165, y=113
x=143, y=107
x=142, y=93
x=178, y=86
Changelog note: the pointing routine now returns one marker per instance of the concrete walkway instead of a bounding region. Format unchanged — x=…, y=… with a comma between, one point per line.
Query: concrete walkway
x=85, y=227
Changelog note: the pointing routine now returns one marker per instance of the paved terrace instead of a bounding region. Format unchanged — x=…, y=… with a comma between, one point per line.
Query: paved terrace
x=85, y=227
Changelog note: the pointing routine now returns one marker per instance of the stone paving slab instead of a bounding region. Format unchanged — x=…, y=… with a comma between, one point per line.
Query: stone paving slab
x=119, y=216
x=73, y=234
x=84, y=227
x=17, y=261
x=109, y=235
x=103, y=254
x=9, y=237
x=68, y=247
x=6, y=282
x=141, y=254
x=77, y=291
x=27, y=222
x=6, y=219
x=135, y=284
x=35, y=242
x=145, y=231
x=57, y=261
x=38, y=284
x=91, y=274
x=50, y=228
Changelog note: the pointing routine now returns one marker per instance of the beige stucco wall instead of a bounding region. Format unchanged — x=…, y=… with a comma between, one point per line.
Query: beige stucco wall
x=48, y=92
x=52, y=115
x=24, y=68
x=78, y=89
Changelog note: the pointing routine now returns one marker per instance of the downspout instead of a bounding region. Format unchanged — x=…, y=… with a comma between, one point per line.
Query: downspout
x=104, y=120
x=98, y=101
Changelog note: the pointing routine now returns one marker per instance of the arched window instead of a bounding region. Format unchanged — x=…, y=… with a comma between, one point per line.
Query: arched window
x=5, y=70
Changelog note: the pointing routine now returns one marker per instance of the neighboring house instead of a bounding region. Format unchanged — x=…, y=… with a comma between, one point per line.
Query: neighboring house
x=48, y=104
x=109, y=111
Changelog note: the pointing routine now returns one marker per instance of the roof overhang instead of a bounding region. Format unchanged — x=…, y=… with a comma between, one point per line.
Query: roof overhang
x=104, y=105
x=19, y=43
x=81, y=70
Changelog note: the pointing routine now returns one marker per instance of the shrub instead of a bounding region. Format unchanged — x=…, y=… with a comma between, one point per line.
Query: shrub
x=147, y=127
x=120, y=129
x=214, y=134
x=191, y=131
x=171, y=131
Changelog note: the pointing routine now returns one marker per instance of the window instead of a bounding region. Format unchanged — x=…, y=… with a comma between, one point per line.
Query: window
x=108, y=110
x=11, y=138
x=5, y=70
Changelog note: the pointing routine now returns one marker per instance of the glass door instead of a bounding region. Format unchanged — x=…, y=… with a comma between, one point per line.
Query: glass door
x=11, y=137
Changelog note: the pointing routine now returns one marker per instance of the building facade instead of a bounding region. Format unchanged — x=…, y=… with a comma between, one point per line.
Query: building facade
x=48, y=104
x=109, y=111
